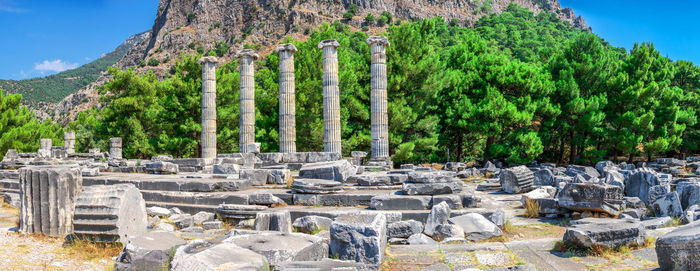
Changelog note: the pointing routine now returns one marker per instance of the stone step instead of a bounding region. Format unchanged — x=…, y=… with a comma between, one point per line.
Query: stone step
x=195, y=198
x=9, y=183
x=197, y=183
x=187, y=208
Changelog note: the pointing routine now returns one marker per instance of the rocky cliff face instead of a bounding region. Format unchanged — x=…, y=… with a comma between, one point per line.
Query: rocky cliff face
x=188, y=26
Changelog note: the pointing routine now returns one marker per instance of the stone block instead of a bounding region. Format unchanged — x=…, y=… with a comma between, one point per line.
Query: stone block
x=256, y=176
x=668, y=205
x=360, y=238
x=236, y=211
x=338, y=171
x=404, y=229
x=227, y=169
x=516, y=180
x=316, y=186
x=273, y=221
x=591, y=197
x=148, y=252
x=110, y=213
x=624, y=232
x=679, y=249
x=160, y=167
x=639, y=182
x=280, y=247
x=201, y=217
x=323, y=265
x=451, y=187
x=476, y=227
x=311, y=224
x=439, y=214
x=453, y=200
x=204, y=255
x=400, y=202
x=48, y=195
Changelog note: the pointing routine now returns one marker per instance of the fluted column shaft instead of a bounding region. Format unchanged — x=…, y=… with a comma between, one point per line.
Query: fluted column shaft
x=287, y=99
x=247, y=100
x=208, y=136
x=379, y=117
x=69, y=142
x=331, y=97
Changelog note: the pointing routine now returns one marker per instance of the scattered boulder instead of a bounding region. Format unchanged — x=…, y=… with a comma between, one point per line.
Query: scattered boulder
x=691, y=214
x=149, y=251
x=359, y=237
x=476, y=227
x=207, y=256
x=516, y=180
x=498, y=217
x=448, y=232
x=603, y=165
x=586, y=172
x=404, y=229
x=439, y=214
x=282, y=247
x=311, y=224
x=689, y=193
x=591, y=197
x=624, y=232
x=679, y=249
x=182, y=220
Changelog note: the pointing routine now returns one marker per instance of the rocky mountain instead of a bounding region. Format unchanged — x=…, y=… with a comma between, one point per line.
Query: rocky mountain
x=198, y=26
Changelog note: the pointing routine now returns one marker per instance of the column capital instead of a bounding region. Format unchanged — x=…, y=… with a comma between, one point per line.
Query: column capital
x=208, y=59
x=380, y=40
x=247, y=53
x=286, y=47
x=326, y=43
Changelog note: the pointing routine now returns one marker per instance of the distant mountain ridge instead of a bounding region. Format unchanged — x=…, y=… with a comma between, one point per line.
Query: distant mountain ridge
x=225, y=26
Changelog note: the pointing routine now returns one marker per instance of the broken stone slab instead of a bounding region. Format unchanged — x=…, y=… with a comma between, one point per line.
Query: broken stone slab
x=689, y=193
x=427, y=177
x=668, y=205
x=208, y=256
x=202, y=216
x=543, y=177
x=157, y=211
x=679, y=249
x=615, y=234
x=420, y=239
x=614, y=177
x=48, y=194
x=658, y=222
x=591, y=197
x=280, y=247
x=539, y=193
x=227, y=169
x=109, y=213
x=639, y=182
x=451, y=187
x=323, y=265
x=360, y=238
x=237, y=211
x=182, y=220
x=588, y=172
x=498, y=217
x=316, y=186
x=148, y=251
x=448, y=232
x=603, y=165
x=256, y=176
x=213, y=225
x=455, y=201
x=273, y=221
x=160, y=167
x=267, y=199
x=404, y=229
x=658, y=191
x=311, y=224
x=476, y=227
x=516, y=180
x=439, y=214
x=338, y=171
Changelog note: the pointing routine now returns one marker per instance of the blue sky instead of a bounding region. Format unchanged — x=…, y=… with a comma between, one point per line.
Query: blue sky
x=42, y=37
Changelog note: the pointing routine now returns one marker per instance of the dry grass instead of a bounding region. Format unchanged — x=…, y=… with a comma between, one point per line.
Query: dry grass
x=92, y=251
x=611, y=253
x=532, y=209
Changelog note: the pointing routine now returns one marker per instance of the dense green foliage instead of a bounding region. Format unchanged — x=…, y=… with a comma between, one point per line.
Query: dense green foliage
x=517, y=87
x=19, y=128
x=54, y=88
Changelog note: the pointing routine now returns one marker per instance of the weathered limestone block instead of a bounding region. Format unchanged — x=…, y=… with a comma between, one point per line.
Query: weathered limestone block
x=544, y=177
x=331, y=96
x=236, y=211
x=227, y=169
x=247, y=99
x=476, y=227
x=689, y=193
x=404, y=229
x=624, y=232
x=587, y=172
x=658, y=191
x=639, y=182
x=311, y=224
x=668, y=205
x=110, y=213
x=400, y=202
x=273, y=221
x=679, y=249
x=359, y=237
x=48, y=195
x=283, y=247
x=264, y=199
x=323, y=265
x=338, y=171
x=451, y=187
x=439, y=214
x=160, y=167
x=591, y=197
x=208, y=135
x=448, y=232
x=316, y=186
x=148, y=252
x=115, y=148
x=206, y=256
x=516, y=180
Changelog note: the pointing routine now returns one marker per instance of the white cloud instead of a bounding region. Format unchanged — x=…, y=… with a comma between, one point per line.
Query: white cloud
x=55, y=66
x=9, y=6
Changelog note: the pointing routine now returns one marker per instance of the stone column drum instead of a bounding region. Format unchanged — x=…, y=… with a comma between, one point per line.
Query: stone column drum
x=287, y=99
x=47, y=199
x=69, y=142
x=247, y=100
x=208, y=137
x=115, y=148
x=45, y=147
x=331, y=96
x=380, y=117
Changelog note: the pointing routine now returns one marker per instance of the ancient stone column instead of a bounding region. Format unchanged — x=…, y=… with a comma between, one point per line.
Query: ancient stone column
x=208, y=136
x=378, y=97
x=47, y=197
x=287, y=99
x=247, y=100
x=115, y=148
x=331, y=96
x=69, y=142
